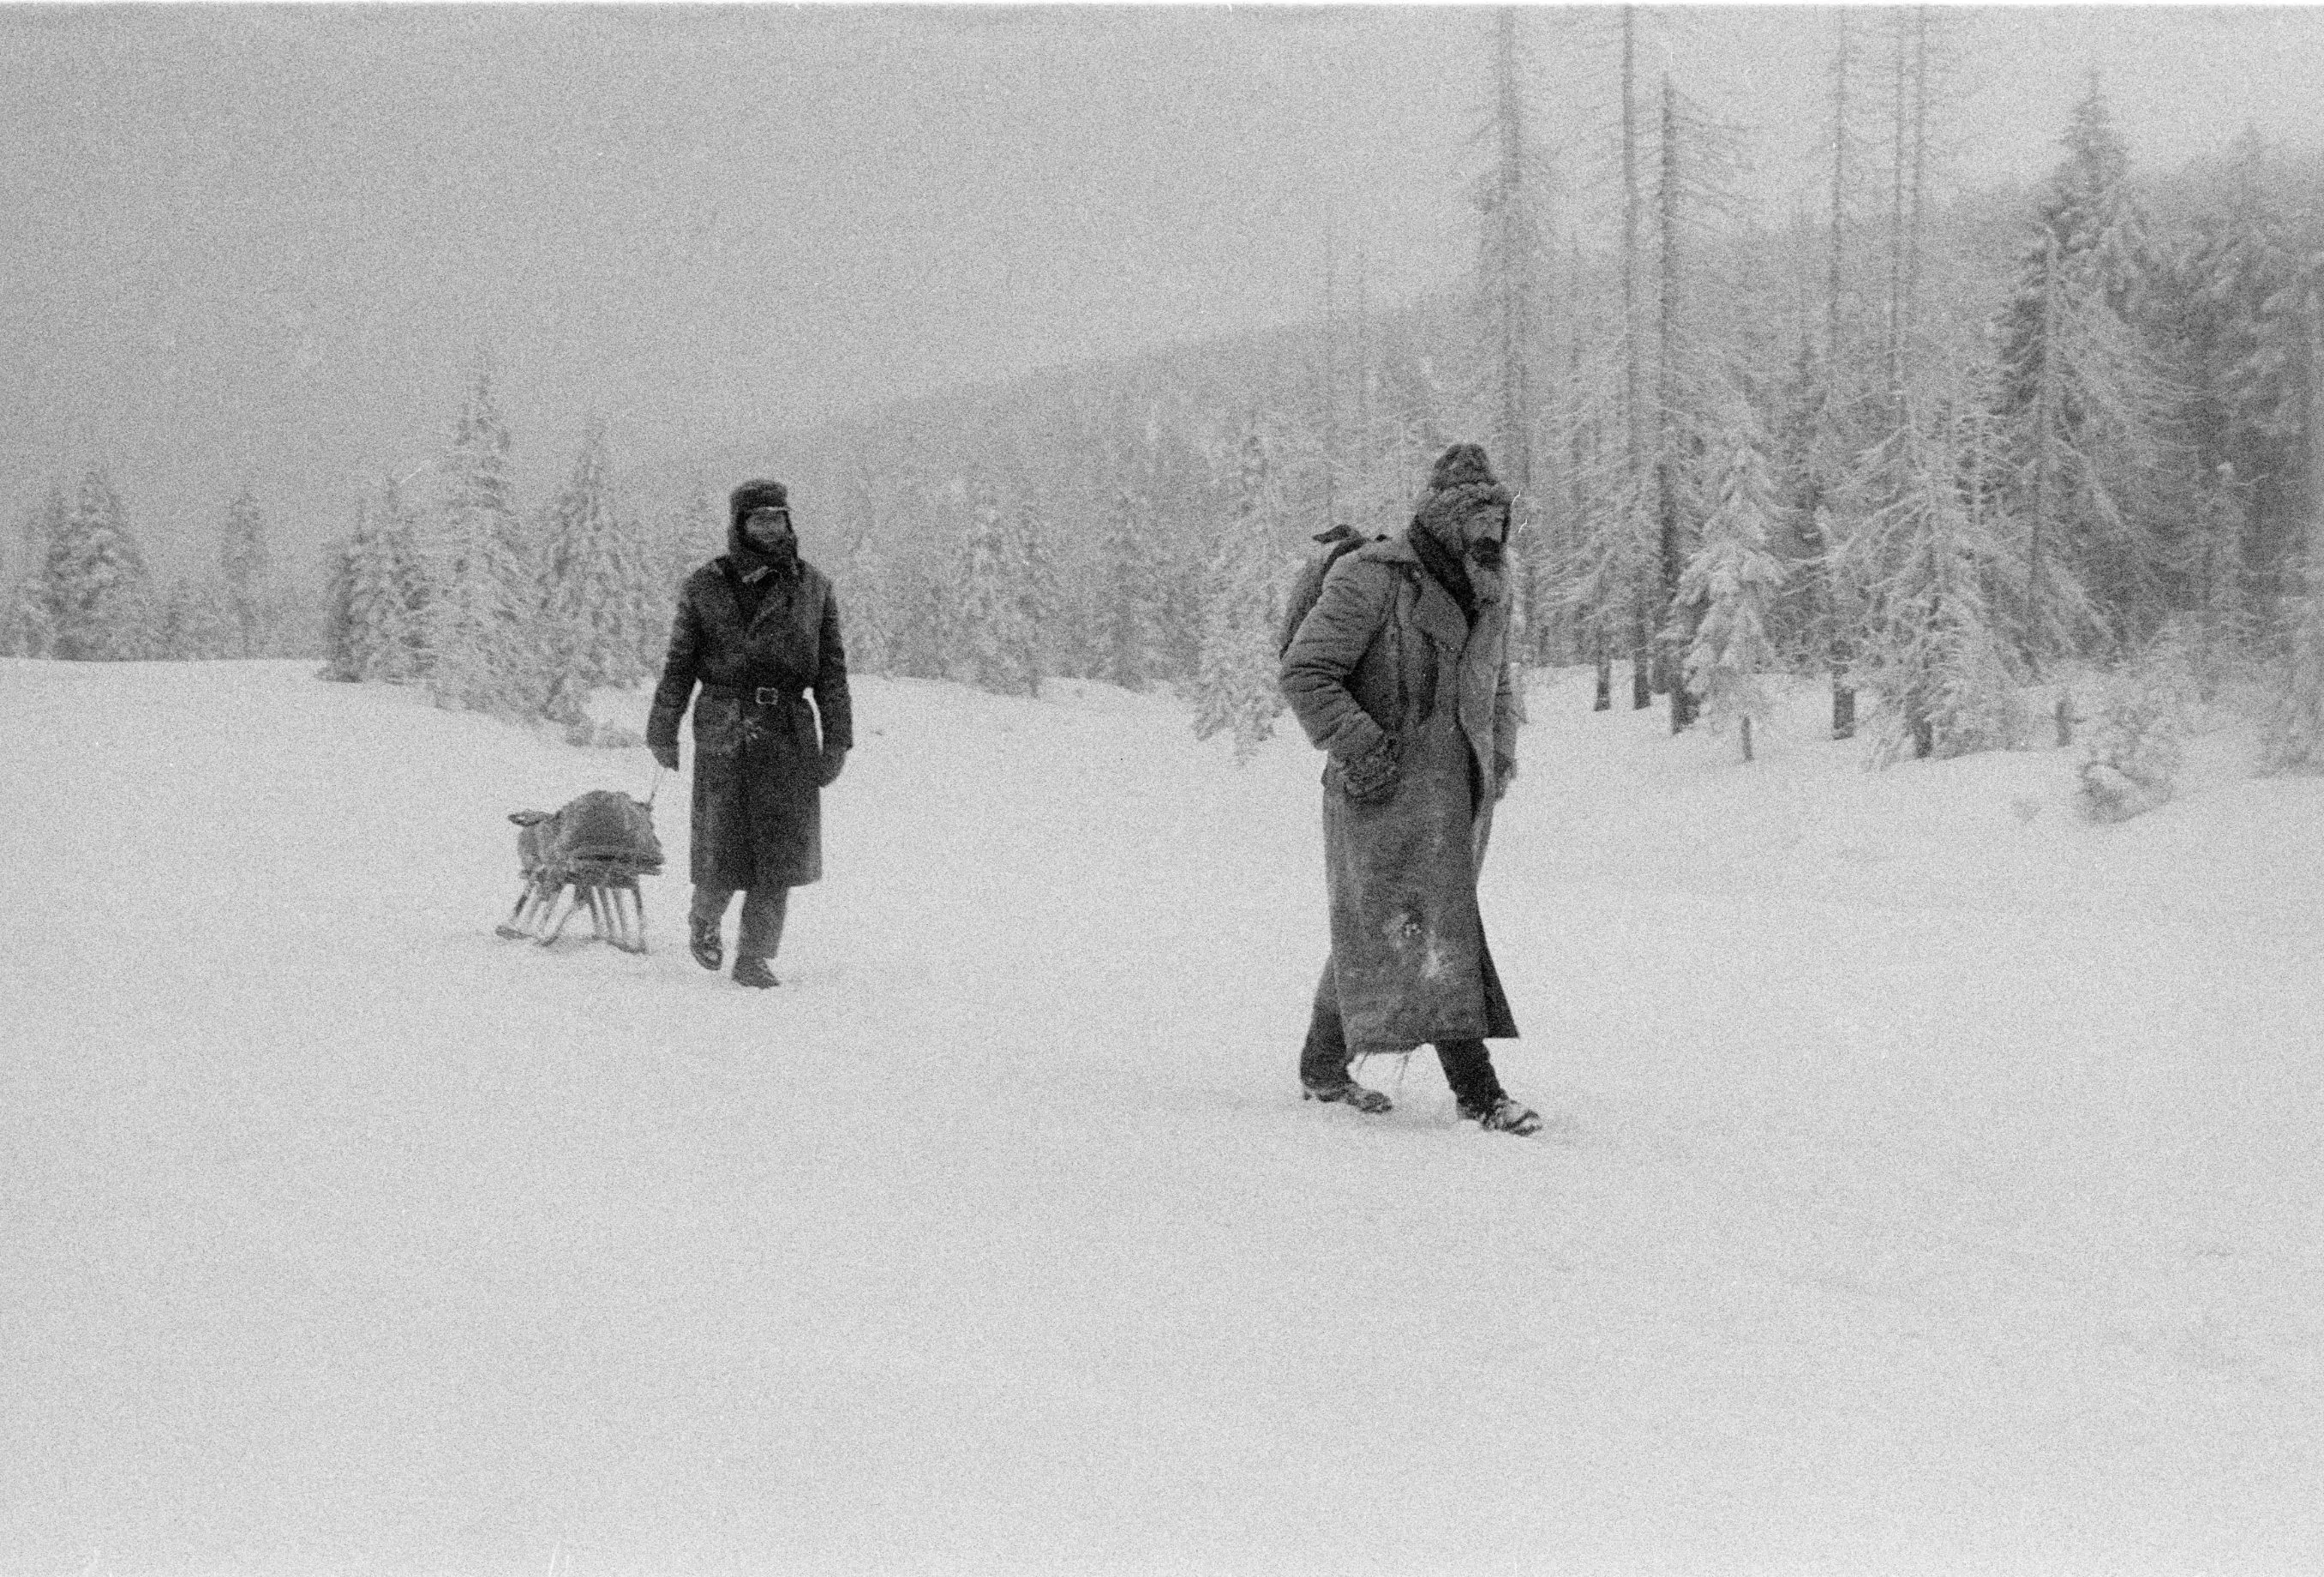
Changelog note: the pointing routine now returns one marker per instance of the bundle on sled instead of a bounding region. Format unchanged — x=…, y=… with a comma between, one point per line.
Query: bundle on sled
x=590, y=853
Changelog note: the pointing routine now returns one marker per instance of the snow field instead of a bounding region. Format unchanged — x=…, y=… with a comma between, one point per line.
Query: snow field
x=1935, y=1186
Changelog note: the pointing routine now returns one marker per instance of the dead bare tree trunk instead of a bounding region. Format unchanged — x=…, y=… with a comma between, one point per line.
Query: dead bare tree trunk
x=1509, y=264
x=1363, y=369
x=1838, y=649
x=1642, y=695
x=1330, y=378
x=1510, y=279
x=1671, y=530
x=1893, y=351
x=1917, y=199
x=2046, y=417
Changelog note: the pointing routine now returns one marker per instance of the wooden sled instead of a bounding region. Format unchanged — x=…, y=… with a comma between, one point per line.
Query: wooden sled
x=587, y=856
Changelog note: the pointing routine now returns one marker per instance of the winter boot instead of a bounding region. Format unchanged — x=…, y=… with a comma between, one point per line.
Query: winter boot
x=1362, y=1097
x=702, y=941
x=1502, y=1115
x=754, y=972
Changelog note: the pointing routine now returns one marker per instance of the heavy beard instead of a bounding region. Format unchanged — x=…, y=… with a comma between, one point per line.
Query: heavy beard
x=778, y=554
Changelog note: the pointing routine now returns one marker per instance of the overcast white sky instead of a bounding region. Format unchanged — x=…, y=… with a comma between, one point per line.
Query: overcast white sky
x=269, y=241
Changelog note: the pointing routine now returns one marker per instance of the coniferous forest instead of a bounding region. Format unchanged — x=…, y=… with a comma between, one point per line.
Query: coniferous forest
x=1987, y=466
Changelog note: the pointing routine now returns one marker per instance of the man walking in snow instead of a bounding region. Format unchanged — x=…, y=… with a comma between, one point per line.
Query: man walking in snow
x=757, y=629
x=1400, y=672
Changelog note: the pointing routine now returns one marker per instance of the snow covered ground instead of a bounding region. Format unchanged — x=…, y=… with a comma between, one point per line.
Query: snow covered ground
x=1935, y=1186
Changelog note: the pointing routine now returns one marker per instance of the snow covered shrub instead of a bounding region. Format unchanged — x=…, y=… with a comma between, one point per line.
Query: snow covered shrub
x=2130, y=762
x=1960, y=697
x=593, y=734
x=2295, y=724
x=1979, y=702
x=26, y=627
x=2222, y=667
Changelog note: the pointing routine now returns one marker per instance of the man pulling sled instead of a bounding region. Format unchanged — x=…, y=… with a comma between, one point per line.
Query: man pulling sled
x=758, y=632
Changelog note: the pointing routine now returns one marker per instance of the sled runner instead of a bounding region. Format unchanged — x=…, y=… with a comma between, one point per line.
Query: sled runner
x=590, y=852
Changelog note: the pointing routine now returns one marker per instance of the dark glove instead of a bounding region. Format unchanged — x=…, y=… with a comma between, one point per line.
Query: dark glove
x=667, y=755
x=834, y=761
x=1372, y=777
x=1505, y=772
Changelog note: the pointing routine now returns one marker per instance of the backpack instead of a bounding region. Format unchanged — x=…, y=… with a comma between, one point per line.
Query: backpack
x=1307, y=585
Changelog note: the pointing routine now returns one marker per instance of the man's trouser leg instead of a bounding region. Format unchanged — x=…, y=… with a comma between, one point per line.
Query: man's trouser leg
x=763, y=910
x=1324, y=1059
x=708, y=907
x=1469, y=1069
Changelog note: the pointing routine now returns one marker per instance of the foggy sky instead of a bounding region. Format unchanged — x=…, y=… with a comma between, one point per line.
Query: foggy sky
x=268, y=243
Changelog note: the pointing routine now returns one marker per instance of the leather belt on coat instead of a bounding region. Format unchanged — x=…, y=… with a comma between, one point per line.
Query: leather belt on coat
x=757, y=695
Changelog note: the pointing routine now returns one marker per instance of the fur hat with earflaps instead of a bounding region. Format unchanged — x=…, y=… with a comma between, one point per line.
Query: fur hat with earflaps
x=1461, y=485
x=754, y=494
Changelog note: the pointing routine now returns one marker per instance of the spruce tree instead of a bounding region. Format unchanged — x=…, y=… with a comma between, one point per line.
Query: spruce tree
x=485, y=601
x=1731, y=586
x=1930, y=557
x=2229, y=312
x=690, y=533
x=926, y=599
x=1133, y=595
x=2214, y=577
x=862, y=585
x=245, y=569
x=2082, y=399
x=28, y=622
x=364, y=579
x=1613, y=557
x=688, y=530
x=342, y=659
x=595, y=577
x=1055, y=640
x=196, y=622
x=386, y=587
x=1236, y=690
x=1799, y=621
x=2296, y=737
x=997, y=638
x=97, y=575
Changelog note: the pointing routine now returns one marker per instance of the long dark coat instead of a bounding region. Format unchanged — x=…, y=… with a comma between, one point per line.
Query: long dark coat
x=758, y=804
x=1387, y=651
